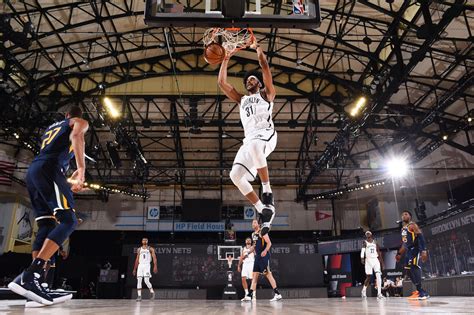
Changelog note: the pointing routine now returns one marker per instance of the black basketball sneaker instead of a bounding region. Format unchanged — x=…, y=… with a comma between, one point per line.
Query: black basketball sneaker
x=267, y=216
x=28, y=284
x=57, y=296
x=268, y=213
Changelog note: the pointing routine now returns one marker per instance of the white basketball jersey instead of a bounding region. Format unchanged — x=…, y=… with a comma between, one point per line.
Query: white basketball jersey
x=144, y=255
x=251, y=256
x=255, y=113
x=371, y=250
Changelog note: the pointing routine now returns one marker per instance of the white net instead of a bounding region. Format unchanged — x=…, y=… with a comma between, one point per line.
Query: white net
x=232, y=39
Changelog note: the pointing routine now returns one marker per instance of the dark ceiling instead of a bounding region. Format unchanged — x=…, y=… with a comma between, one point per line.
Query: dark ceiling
x=412, y=60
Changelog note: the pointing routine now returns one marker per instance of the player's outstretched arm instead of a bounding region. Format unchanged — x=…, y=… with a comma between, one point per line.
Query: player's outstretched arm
x=79, y=128
x=225, y=86
x=266, y=72
x=135, y=266
x=155, y=263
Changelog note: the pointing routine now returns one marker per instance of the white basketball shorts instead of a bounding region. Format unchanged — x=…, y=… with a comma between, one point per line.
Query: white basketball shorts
x=247, y=270
x=267, y=138
x=143, y=270
x=372, y=264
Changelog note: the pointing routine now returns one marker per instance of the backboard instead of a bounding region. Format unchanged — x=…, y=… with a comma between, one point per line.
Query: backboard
x=224, y=251
x=300, y=14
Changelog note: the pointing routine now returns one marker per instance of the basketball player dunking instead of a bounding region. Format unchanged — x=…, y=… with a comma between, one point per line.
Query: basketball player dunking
x=143, y=263
x=260, y=135
x=52, y=198
x=413, y=245
x=246, y=262
x=371, y=257
x=262, y=263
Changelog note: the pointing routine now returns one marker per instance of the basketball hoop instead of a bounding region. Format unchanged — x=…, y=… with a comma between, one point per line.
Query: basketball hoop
x=233, y=39
x=229, y=261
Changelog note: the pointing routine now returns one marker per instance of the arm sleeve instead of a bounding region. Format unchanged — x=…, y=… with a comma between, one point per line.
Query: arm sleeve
x=362, y=252
x=421, y=241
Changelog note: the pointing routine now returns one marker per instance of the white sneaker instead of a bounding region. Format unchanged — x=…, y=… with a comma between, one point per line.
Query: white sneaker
x=246, y=298
x=277, y=297
x=380, y=297
x=364, y=295
x=254, y=297
x=33, y=304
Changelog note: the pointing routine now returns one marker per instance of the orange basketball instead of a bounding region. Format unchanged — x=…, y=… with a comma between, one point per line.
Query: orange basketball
x=214, y=53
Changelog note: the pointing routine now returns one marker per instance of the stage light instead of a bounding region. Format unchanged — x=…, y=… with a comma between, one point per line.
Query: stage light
x=111, y=109
x=469, y=119
x=445, y=137
x=397, y=167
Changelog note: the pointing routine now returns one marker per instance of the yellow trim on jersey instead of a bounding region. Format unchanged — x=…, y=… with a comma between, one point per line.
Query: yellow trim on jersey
x=65, y=205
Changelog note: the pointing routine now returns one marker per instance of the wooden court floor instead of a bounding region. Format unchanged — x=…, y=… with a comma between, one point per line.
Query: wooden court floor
x=440, y=305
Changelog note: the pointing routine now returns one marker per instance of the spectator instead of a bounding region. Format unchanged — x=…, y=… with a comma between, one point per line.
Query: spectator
x=398, y=286
x=388, y=286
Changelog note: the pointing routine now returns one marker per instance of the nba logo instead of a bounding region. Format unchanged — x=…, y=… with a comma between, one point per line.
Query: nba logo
x=298, y=7
x=249, y=213
x=153, y=213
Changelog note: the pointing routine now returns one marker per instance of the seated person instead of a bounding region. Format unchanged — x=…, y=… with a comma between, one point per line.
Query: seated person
x=398, y=289
x=387, y=288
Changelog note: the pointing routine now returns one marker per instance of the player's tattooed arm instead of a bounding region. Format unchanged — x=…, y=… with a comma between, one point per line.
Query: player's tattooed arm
x=135, y=266
x=270, y=92
x=251, y=250
x=155, y=263
x=225, y=86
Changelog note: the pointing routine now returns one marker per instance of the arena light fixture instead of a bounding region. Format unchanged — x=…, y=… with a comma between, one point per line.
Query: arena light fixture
x=111, y=108
x=358, y=106
x=397, y=167
x=445, y=137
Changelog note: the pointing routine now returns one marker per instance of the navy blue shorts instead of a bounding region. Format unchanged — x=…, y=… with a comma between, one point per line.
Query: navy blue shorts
x=261, y=264
x=48, y=189
x=412, y=258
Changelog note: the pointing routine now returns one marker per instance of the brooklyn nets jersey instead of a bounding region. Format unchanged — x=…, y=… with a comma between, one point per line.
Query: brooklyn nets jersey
x=255, y=113
x=371, y=250
x=251, y=256
x=144, y=255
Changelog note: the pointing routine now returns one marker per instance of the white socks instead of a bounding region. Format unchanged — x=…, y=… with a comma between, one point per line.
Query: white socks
x=259, y=206
x=364, y=289
x=139, y=293
x=266, y=187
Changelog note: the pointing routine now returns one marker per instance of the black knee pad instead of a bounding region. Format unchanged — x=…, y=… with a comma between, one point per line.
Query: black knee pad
x=67, y=223
x=45, y=226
